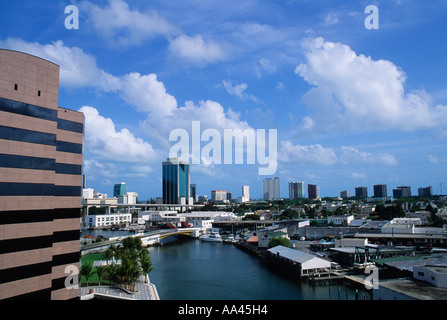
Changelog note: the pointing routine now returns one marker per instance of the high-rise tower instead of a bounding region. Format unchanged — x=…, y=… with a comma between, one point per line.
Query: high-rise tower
x=40, y=182
x=176, y=185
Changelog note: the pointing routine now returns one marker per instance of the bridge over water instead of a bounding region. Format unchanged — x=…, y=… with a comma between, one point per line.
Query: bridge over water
x=148, y=238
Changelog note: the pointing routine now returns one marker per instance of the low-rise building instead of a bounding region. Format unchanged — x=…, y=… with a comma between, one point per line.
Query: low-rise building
x=350, y=242
x=107, y=220
x=408, y=220
x=402, y=228
x=204, y=219
x=207, y=215
x=128, y=198
x=436, y=275
x=305, y=262
x=423, y=215
x=407, y=289
x=340, y=220
x=266, y=235
x=154, y=218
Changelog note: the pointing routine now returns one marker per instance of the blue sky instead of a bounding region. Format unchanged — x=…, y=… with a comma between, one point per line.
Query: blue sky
x=352, y=106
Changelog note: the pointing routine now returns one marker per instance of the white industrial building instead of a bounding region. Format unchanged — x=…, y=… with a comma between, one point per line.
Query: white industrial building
x=340, y=220
x=204, y=219
x=351, y=242
x=436, y=275
x=107, y=220
x=207, y=215
x=153, y=218
x=306, y=262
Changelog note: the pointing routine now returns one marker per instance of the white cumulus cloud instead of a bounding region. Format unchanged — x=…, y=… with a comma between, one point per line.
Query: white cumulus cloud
x=319, y=155
x=106, y=143
x=147, y=94
x=351, y=155
x=354, y=92
x=196, y=50
x=121, y=25
x=316, y=154
x=238, y=90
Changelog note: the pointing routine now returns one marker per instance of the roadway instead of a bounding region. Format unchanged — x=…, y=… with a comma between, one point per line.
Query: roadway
x=147, y=238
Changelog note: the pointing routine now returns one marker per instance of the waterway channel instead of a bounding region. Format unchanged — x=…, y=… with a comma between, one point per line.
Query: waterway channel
x=190, y=269
x=197, y=270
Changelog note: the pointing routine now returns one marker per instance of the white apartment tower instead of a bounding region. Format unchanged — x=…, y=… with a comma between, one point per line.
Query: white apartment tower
x=245, y=194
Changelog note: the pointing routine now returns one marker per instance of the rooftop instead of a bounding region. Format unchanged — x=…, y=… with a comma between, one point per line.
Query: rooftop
x=293, y=254
x=408, y=263
x=416, y=289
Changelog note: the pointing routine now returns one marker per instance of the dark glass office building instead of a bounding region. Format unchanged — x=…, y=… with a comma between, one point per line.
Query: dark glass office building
x=380, y=191
x=361, y=192
x=296, y=190
x=402, y=192
x=176, y=184
x=313, y=191
x=40, y=182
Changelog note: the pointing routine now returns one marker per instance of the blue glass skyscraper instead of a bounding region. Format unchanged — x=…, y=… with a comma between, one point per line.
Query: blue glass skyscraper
x=119, y=189
x=176, y=181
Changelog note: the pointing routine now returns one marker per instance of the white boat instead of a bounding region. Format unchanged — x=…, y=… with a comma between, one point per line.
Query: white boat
x=230, y=238
x=212, y=237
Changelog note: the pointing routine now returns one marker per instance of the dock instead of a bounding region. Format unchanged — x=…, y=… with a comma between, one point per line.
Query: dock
x=325, y=275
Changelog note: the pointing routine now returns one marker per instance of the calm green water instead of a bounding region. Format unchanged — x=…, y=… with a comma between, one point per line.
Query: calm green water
x=197, y=270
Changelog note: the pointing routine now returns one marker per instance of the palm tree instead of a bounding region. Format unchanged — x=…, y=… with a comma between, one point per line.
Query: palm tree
x=109, y=253
x=87, y=270
x=133, y=273
x=146, y=264
x=134, y=258
x=111, y=272
x=101, y=271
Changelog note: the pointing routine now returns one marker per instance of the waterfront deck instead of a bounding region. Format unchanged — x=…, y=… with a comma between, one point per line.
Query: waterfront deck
x=144, y=291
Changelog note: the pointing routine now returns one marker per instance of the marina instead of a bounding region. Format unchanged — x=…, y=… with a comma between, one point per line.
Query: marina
x=192, y=269
x=223, y=269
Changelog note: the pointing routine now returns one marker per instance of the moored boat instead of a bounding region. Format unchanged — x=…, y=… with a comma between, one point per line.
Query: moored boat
x=212, y=237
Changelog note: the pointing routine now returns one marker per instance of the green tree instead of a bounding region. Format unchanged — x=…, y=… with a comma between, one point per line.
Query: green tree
x=310, y=211
x=101, y=271
x=209, y=207
x=279, y=241
x=109, y=253
x=146, y=264
x=252, y=217
x=288, y=214
x=132, y=243
x=389, y=212
x=87, y=271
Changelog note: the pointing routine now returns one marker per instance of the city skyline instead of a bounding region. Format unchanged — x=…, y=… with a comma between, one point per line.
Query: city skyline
x=352, y=106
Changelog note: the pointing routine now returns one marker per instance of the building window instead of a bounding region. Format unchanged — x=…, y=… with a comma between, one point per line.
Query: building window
x=38, y=93
x=16, y=87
